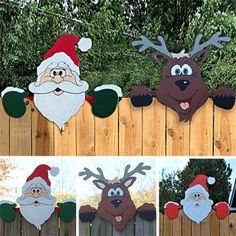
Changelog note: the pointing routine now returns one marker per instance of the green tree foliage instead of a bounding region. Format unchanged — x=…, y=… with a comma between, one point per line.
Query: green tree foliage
x=174, y=185
x=28, y=29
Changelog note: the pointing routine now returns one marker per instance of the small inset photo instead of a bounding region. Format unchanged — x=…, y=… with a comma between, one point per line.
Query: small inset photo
x=37, y=197
x=117, y=197
x=197, y=197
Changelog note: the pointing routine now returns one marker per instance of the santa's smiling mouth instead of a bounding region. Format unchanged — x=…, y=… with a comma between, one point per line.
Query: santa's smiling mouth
x=36, y=203
x=58, y=91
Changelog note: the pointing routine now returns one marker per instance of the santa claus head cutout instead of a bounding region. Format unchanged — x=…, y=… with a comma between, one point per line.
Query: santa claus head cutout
x=36, y=202
x=196, y=204
x=58, y=92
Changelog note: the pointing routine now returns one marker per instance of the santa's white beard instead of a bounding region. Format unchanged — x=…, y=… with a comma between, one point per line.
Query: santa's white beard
x=37, y=215
x=59, y=109
x=197, y=214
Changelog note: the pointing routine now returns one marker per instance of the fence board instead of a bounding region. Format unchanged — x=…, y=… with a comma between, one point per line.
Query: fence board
x=20, y=134
x=84, y=229
x=206, y=226
x=215, y=225
x=1, y=227
x=128, y=230
x=202, y=126
x=154, y=129
x=225, y=132
x=224, y=227
x=186, y=225
x=232, y=225
x=68, y=229
x=177, y=135
x=65, y=142
x=14, y=227
x=106, y=135
x=130, y=129
x=177, y=226
x=4, y=132
x=168, y=226
x=28, y=229
x=161, y=226
x=50, y=226
x=42, y=134
x=85, y=131
x=100, y=227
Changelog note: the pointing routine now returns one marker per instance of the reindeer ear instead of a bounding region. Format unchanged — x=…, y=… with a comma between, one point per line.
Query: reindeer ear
x=129, y=181
x=100, y=184
x=160, y=58
x=201, y=56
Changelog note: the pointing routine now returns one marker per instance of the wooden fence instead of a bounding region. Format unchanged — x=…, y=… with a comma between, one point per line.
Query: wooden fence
x=135, y=227
x=53, y=227
x=153, y=130
x=211, y=226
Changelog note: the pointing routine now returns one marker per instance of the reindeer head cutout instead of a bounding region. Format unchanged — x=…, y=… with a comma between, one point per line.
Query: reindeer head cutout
x=181, y=87
x=116, y=205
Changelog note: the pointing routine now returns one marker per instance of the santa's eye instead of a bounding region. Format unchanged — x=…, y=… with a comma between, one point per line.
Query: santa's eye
x=33, y=190
x=111, y=192
x=53, y=73
x=175, y=70
x=39, y=190
x=119, y=192
x=62, y=73
x=186, y=70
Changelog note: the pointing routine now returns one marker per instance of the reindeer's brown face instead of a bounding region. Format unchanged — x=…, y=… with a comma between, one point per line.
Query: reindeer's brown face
x=116, y=205
x=182, y=87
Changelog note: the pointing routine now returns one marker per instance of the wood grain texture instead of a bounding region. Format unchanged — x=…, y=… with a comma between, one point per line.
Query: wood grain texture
x=85, y=126
x=225, y=132
x=215, y=225
x=20, y=134
x=177, y=135
x=65, y=141
x=42, y=134
x=50, y=227
x=130, y=129
x=201, y=131
x=28, y=229
x=100, y=227
x=154, y=129
x=14, y=227
x=232, y=225
x=106, y=135
x=4, y=132
x=68, y=228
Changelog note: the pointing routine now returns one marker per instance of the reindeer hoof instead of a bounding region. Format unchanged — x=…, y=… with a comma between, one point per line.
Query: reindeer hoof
x=141, y=96
x=148, y=215
x=87, y=213
x=224, y=98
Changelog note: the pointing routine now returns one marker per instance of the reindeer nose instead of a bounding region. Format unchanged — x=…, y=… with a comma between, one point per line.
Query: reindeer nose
x=116, y=203
x=182, y=84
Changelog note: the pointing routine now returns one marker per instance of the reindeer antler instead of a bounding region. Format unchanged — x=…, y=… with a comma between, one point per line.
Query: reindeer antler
x=146, y=43
x=138, y=169
x=88, y=174
x=215, y=40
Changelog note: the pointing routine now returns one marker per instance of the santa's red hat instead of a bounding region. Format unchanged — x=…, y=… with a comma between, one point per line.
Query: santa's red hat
x=64, y=50
x=202, y=180
x=40, y=176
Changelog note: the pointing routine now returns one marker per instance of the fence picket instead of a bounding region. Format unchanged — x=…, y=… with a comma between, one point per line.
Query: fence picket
x=187, y=225
x=50, y=227
x=232, y=225
x=202, y=126
x=224, y=227
x=28, y=229
x=68, y=228
x=20, y=134
x=100, y=227
x=14, y=227
x=206, y=227
x=42, y=134
x=85, y=131
x=128, y=230
x=4, y=132
x=215, y=225
x=1, y=227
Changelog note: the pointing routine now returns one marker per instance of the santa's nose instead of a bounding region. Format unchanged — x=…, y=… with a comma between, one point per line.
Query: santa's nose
x=57, y=79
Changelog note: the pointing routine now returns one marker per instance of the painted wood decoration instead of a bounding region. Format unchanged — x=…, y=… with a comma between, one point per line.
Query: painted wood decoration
x=182, y=87
x=58, y=92
x=197, y=205
x=116, y=205
x=36, y=204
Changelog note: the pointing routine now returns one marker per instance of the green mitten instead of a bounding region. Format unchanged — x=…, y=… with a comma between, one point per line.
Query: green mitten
x=13, y=101
x=67, y=210
x=106, y=99
x=7, y=212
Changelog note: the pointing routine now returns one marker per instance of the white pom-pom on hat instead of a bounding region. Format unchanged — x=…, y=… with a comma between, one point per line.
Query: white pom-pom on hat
x=54, y=171
x=211, y=180
x=84, y=44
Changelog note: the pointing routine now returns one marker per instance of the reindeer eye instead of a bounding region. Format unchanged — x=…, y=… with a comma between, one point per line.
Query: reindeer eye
x=119, y=192
x=186, y=69
x=175, y=70
x=111, y=192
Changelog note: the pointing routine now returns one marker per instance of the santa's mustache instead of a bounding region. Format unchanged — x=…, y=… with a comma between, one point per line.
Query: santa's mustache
x=66, y=86
x=40, y=200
